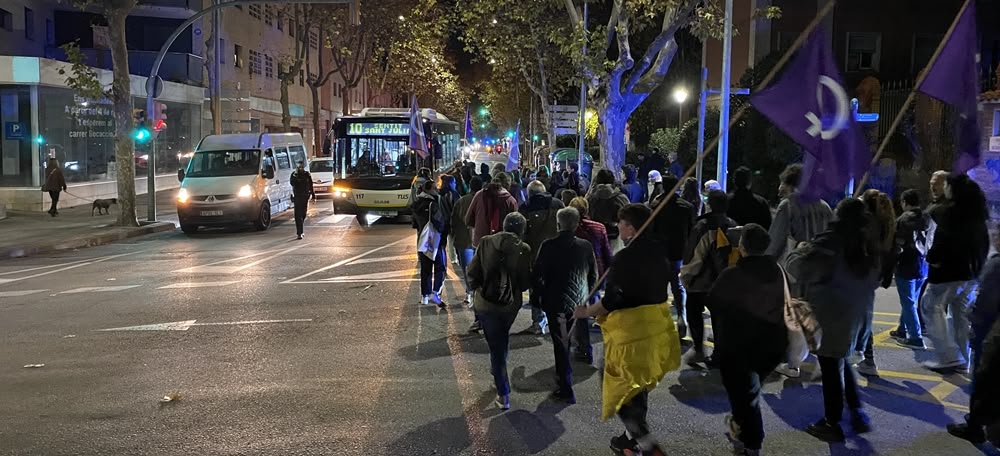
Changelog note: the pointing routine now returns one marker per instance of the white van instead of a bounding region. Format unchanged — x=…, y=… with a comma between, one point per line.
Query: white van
x=238, y=178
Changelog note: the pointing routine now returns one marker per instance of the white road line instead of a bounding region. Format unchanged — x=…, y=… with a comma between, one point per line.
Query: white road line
x=21, y=271
x=213, y=268
x=11, y=294
x=197, y=285
x=410, y=257
x=343, y=262
x=72, y=266
x=334, y=219
x=375, y=276
x=99, y=289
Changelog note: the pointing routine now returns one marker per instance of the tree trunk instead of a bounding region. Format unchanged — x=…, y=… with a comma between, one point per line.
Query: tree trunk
x=613, y=119
x=286, y=115
x=345, y=96
x=121, y=96
x=318, y=132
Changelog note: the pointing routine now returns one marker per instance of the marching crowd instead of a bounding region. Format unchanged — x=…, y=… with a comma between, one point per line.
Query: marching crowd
x=782, y=287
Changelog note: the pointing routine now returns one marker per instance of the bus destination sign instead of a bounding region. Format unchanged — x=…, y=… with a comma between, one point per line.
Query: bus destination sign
x=378, y=129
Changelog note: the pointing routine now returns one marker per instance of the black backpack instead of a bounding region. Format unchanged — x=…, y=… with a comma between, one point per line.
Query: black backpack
x=499, y=286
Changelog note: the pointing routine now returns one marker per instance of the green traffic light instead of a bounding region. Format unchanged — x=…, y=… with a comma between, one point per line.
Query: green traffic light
x=534, y=138
x=483, y=111
x=482, y=125
x=142, y=133
x=40, y=139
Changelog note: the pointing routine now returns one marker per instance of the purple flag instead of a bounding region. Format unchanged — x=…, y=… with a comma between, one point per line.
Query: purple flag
x=953, y=79
x=514, y=156
x=810, y=105
x=468, y=126
x=418, y=140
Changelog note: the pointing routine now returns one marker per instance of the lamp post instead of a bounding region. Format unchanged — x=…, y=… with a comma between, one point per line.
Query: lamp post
x=680, y=96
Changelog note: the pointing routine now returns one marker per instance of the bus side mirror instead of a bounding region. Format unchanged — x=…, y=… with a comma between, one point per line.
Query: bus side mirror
x=180, y=175
x=269, y=172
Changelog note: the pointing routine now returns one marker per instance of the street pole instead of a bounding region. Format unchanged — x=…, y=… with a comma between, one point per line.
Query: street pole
x=583, y=98
x=154, y=75
x=727, y=51
x=216, y=82
x=701, y=118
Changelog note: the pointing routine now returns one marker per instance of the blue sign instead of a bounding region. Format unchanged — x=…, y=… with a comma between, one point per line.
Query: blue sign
x=15, y=130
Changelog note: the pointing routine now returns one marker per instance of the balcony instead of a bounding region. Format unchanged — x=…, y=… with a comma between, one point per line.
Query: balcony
x=177, y=67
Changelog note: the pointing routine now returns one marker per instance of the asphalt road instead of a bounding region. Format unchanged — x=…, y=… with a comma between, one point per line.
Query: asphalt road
x=320, y=346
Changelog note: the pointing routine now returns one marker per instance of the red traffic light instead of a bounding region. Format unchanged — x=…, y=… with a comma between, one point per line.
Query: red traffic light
x=160, y=125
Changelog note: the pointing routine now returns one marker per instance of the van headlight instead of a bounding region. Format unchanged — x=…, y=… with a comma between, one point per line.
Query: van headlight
x=245, y=192
x=182, y=196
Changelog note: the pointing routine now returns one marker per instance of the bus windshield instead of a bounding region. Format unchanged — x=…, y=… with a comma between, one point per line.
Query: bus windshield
x=218, y=163
x=367, y=156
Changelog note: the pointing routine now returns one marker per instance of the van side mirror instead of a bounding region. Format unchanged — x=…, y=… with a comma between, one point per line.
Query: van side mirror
x=180, y=175
x=269, y=172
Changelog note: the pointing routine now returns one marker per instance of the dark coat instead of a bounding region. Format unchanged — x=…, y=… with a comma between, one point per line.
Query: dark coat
x=564, y=273
x=426, y=208
x=54, y=180
x=540, y=211
x=841, y=299
x=746, y=207
x=701, y=257
x=960, y=248
x=985, y=401
x=461, y=234
x=748, y=300
x=485, y=262
x=912, y=244
x=605, y=201
x=673, y=226
x=636, y=276
x=302, y=184
x=986, y=310
x=486, y=212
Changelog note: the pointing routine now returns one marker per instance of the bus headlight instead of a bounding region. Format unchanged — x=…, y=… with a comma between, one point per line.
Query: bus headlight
x=341, y=192
x=182, y=196
x=245, y=192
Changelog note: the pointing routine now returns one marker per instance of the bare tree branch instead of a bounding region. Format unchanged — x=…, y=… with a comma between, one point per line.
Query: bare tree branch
x=672, y=22
x=574, y=16
x=625, y=61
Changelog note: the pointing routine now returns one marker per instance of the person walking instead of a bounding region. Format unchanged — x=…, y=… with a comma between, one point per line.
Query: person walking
x=745, y=206
x=461, y=235
x=484, y=173
x=567, y=195
x=55, y=183
x=597, y=236
x=911, y=268
x=956, y=258
x=564, y=273
x=427, y=209
x=489, y=207
x=423, y=175
x=938, y=200
x=302, y=190
x=707, y=254
x=573, y=180
x=839, y=272
x=499, y=272
x=675, y=168
x=448, y=196
x=880, y=206
x=748, y=301
x=540, y=211
x=516, y=187
x=655, y=185
x=691, y=192
x=606, y=201
x=640, y=341
x=673, y=225
x=632, y=187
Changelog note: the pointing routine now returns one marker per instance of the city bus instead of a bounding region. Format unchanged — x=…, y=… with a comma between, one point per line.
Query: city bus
x=374, y=164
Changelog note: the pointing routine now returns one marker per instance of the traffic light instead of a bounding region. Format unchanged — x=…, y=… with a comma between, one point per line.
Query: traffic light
x=142, y=133
x=159, y=117
x=534, y=138
x=40, y=140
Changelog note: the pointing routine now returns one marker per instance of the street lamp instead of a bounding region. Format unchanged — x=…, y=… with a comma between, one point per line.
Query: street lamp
x=680, y=96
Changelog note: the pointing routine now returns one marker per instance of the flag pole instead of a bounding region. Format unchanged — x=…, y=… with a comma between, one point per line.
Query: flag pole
x=732, y=122
x=909, y=100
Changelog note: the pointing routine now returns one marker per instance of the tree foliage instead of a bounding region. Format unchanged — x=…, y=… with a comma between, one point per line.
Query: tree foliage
x=665, y=139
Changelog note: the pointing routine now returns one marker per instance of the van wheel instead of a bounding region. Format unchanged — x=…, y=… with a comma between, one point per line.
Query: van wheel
x=263, y=221
x=189, y=229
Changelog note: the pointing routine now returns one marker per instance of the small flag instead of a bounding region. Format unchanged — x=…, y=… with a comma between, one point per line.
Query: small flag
x=418, y=141
x=810, y=105
x=468, y=126
x=514, y=156
x=953, y=79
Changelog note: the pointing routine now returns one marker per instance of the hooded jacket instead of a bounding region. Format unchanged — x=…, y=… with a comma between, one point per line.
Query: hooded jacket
x=605, y=201
x=912, y=244
x=748, y=300
x=960, y=248
x=487, y=211
x=540, y=211
x=427, y=207
x=632, y=188
x=486, y=262
x=564, y=273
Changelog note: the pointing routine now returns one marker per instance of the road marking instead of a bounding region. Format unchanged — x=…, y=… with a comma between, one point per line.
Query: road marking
x=11, y=294
x=410, y=257
x=197, y=285
x=942, y=390
x=374, y=276
x=99, y=289
x=37, y=268
x=343, y=262
x=910, y=376
x=468, y=394
x=214, y=268
x=187, y=324
x=334, y=219
x=886, y=314
x=863, y=382
x=72, y=265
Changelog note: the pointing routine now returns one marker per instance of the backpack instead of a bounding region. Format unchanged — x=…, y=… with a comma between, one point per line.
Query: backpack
x=724, y=252
x=499, y=286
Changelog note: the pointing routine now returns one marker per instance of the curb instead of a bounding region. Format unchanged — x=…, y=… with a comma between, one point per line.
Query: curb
x=115, y=234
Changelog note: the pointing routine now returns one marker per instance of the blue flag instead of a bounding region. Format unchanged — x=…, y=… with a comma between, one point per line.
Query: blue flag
x=418, y=140
x=810, y=105
x=468, y=126
x=953, y=79
x=514, y=156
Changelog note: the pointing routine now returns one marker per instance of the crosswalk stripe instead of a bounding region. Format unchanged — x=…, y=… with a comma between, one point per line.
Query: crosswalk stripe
x=334, y=219
x=197, y=285
x=99, y=289
x=11, y=294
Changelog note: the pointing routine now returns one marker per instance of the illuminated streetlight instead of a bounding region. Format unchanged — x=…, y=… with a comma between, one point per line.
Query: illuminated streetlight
x=401, y=17
x=493, y=61
x=680, y=96
x=483, y=112
x=494, y=21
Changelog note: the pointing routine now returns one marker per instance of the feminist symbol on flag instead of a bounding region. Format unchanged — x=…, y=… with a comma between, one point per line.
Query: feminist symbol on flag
x=840, y=118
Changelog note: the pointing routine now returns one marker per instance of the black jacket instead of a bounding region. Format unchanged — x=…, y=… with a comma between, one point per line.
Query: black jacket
x=605, y=202
x=540, y=212
x=746, y=207
x=984, y=404
x=302, y=184
x=748, y=300
x=912, y=243
x=427, y=208
x=564, y=273
x=960, y=248
x=636, y=275
x=703, y=256
x=673, y=225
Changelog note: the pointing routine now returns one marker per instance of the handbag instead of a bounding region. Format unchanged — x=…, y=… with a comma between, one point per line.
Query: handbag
x=429, y=239
x=804, y=332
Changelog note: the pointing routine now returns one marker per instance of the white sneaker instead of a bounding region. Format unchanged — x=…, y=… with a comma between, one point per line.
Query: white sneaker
x=468, y=299
x=426, y=300
x=867, y=368
x=788, y=371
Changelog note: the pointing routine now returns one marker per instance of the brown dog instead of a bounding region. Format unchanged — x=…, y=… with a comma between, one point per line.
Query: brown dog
x=103, y=204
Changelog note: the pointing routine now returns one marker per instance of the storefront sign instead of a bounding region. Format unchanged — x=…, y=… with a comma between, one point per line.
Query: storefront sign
x=378, y=129
x=15, y=130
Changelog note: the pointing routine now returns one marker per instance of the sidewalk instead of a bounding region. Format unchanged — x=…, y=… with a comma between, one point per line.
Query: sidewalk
x=25, y=233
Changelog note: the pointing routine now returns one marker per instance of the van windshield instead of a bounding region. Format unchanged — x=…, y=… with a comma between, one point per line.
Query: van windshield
x=218, y=163
x=321, y=166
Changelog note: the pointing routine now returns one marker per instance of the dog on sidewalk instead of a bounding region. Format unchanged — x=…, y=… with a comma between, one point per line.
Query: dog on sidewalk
x=103, y=204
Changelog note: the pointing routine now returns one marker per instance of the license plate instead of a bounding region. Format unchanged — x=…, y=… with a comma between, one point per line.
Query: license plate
x=384, y=213
x=211, y=213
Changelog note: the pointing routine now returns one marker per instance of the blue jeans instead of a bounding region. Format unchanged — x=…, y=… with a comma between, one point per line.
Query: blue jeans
x=496, y=328
x=432, y=271
x=679, y=293
x=909, y=292
x=945, y=307
x=464, y=258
